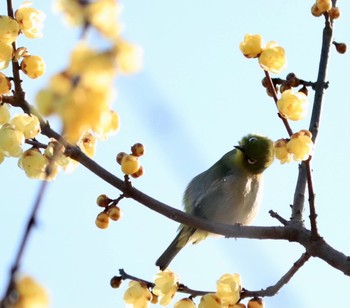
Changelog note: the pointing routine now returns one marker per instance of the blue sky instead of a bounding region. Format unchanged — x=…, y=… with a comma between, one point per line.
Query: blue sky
x=195, y=98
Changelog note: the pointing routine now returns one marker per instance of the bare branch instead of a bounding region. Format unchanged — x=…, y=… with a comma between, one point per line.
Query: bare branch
x=273, y=290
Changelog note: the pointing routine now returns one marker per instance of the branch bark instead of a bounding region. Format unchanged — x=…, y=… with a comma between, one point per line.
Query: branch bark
x=290, y=232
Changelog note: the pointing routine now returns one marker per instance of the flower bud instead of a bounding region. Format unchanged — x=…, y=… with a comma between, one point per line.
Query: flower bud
x=340, y=47
x=116, y=281
x=119, y=157
x=137, y=149
x=103, y=200
x=130, y=164
x=114, y=213
x=102, y=220
x=256, y=303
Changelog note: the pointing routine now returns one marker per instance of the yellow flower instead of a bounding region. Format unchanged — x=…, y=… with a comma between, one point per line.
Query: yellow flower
x=30, y=294
x=103, y=15
x=33, y=163
x=11, y=140
x=29, y=125
x=73, y=11
x=273, y=58
x=128, y=56
x=292, y=105
x=300, y=145
x=9, y=29
x=137, y=295
x=2, y=156
x=6, y=53
x=30, y=20
x=185, y=303
x=281, y=151
x=33, y=66
x=251, y=47
x=165, y=285
x=88, y=144
x=210, y=300
x=5, y=84
x=4, y=113
x=228, y=288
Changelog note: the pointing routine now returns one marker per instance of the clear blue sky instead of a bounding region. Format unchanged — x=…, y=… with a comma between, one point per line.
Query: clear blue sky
x=196, y=97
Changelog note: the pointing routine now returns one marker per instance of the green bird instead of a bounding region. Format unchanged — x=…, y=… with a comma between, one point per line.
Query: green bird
x=229, y=192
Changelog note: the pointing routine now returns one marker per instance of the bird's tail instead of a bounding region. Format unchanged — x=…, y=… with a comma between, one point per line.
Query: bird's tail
x=176, y=245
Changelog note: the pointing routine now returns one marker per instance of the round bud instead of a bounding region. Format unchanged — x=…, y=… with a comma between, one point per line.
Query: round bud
x=130, y=164
x=340, y=47
x=256, y=302
x=114, y=212
x=315, y=11
x=138, y=149
x=119, y=157
x=103, y=200
x=138, y=173
x=264, y=82
x=290, y=76
x=334, y=13
x=102, y=220
x=116, y=281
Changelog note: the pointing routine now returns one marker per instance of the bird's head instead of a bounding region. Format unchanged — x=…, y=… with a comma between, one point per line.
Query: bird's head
x=258, y=153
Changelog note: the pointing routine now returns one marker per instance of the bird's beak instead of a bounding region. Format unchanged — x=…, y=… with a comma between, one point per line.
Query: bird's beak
x=239, y=148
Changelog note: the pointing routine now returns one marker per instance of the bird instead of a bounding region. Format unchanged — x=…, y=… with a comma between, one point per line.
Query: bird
x=229, y=192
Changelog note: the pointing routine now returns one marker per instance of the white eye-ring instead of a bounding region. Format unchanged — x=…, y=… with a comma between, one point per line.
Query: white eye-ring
x=252, y=139
x=251, y=161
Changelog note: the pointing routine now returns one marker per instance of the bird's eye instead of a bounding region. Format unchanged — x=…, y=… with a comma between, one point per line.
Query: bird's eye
x=252, y=139
x=251, y=161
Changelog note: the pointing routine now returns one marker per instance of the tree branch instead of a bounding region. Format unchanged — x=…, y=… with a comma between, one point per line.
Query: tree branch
x=291, y=232
x=319, y=87
x=273, y=290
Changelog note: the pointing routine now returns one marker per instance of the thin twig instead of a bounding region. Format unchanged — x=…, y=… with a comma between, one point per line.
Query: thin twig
x=273, y=290
x=31, y=223
x=23, y=244
x=282, y=220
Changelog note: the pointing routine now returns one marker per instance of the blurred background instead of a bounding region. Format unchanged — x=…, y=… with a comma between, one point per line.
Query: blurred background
x=193, y=101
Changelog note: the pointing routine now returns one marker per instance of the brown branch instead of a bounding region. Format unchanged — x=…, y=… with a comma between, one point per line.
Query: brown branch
x=269, y=291
x=319, y=87
x=273, y=290
x=311, y=193
x=291, y=232
x=22, y=246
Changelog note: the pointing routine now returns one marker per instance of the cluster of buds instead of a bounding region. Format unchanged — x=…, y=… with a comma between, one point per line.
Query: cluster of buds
x=271, y=56
x=321, y=7
x=111, y=211
x=299, y=146
x=130, y=164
